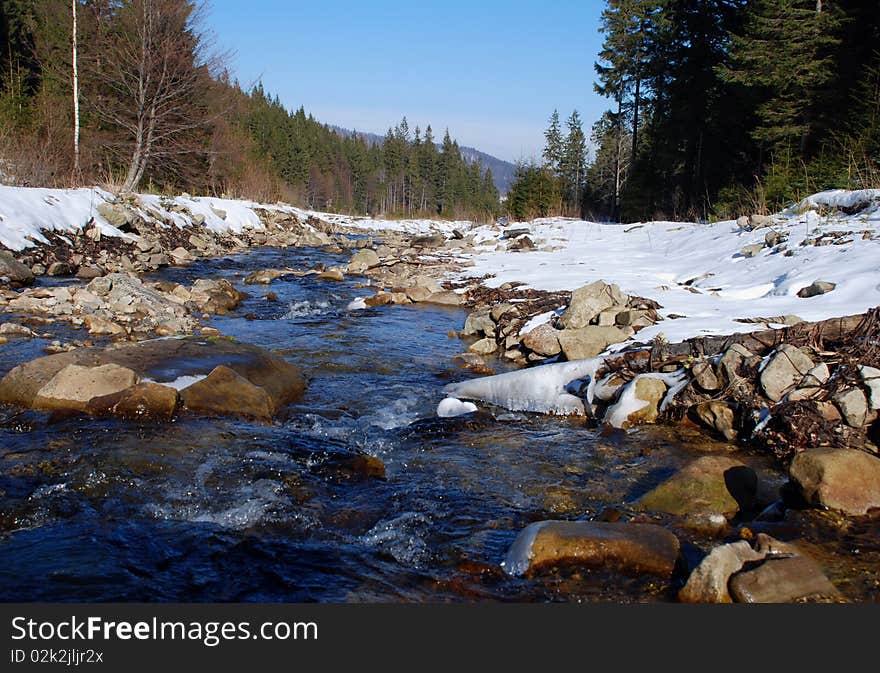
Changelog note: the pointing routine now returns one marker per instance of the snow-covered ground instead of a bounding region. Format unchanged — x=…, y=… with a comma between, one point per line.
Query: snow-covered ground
x=692, y=270
x=26, y=212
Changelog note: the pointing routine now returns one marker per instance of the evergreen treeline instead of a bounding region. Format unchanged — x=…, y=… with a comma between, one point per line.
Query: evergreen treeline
x=720, y=107
x=156, y=110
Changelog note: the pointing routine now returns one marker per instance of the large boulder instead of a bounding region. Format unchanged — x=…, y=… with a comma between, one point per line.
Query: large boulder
x=14, y=270
x=589, y=301
x=709, y=484
x=75, y=386
x=785, y=370
x=362, y=260
x=164, y=361
x=843, y=479
x=589, y=341
x=629, y=547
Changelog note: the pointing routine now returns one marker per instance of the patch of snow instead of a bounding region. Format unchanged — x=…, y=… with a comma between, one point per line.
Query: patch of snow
x=451, y=407
x=180, y=382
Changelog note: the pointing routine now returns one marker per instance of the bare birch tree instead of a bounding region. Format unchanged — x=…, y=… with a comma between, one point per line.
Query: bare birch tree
x=75, y=70
x=154, y=78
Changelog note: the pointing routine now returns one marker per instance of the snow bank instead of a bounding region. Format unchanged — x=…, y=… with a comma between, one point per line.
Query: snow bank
x=27, y=212
x=657, y=259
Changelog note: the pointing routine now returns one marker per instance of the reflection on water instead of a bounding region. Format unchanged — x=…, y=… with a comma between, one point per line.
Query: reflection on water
x=360, y=494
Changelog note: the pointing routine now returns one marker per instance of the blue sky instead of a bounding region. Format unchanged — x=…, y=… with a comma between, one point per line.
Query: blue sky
x=490, y=71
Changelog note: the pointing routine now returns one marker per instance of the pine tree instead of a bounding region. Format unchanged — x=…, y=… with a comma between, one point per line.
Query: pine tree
x=785, y=55
x=553, y=147
x=574, y=159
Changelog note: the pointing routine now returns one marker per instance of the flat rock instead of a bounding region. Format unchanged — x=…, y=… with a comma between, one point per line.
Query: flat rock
x=782, y=580
x=715, y=484
x=629, y=547
x=447, y=298
x=74, y=386
x=842, y=479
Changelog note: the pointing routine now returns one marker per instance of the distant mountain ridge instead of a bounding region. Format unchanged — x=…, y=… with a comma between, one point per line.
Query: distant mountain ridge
x=502, y=171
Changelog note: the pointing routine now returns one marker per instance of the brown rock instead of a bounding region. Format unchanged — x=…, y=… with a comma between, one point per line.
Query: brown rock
x=843, y=479
x=381, y=298
x=629, y=547
x=543, y=340
x=718, y=416
x=782, y=580
x=588, y=342
x=448, y=298
x=225, y=392
x=144, y=400
x=97, y=325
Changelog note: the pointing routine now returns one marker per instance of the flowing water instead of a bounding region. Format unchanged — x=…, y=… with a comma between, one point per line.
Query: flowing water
x=218, y=509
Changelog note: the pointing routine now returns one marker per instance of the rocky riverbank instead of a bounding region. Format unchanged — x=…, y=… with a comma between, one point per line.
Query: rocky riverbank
x=804, y=391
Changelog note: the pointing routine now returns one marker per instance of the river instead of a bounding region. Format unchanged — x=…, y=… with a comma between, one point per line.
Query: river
x=360, y=493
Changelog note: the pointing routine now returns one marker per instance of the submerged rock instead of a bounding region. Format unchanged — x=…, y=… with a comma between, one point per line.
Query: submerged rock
x=716, y=484
x=629, y=547
x=781, y=580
